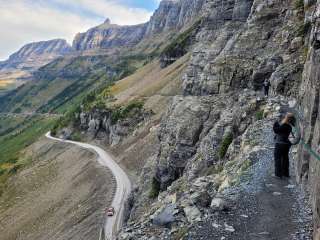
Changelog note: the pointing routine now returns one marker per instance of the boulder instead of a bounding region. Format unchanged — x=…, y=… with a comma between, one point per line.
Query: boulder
x=201, y=199
x=193, y=214
x=166, y=216
x=218, y=204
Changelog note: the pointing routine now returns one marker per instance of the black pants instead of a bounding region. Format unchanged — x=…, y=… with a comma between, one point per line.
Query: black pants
x=266, y=91
x=281, y=160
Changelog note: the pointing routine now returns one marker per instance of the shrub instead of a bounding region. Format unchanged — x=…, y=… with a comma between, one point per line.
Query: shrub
x=227, y=140
x=15, y=169
x=305, y=53
x=76, y=136
x=155, y=188
x=178, y=47
x=259, y=115
x=2, y=171
x=303, y=29
x=64, y=121
x=54, y=131
x=299, y=4
x=17, y=110
x=13, y=159
x=124, y=112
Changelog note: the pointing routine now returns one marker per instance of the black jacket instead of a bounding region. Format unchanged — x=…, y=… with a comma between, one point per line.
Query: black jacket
x=282, y=132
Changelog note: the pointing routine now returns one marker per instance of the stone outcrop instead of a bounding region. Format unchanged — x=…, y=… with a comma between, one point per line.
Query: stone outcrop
x=37, y=54
x=101, y=124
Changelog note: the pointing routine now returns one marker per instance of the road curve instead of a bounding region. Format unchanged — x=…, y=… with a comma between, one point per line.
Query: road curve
x=112, y=224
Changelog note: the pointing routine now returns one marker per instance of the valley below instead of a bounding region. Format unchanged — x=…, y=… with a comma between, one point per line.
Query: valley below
x=63, y=194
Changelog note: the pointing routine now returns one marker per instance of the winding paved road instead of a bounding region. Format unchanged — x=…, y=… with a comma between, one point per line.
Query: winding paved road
x=113, y=224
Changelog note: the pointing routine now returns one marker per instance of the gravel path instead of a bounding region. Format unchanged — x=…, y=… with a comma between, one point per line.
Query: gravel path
x=264, y=207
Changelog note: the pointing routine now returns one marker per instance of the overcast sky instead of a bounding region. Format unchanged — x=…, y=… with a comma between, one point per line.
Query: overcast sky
x=24, y=21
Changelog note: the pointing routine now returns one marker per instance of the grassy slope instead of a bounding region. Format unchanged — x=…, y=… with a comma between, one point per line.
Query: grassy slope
x=151, y=81
x=20, y=134
x=9, y=123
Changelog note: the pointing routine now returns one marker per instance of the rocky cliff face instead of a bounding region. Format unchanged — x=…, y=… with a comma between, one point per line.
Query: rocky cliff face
x=37, y=54
x=108, y=36
x=174, y=15
x=171, y=15
x=231, y=56
x=309, y=97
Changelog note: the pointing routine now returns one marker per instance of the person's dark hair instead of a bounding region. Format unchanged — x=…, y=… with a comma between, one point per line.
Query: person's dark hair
x=292, y=120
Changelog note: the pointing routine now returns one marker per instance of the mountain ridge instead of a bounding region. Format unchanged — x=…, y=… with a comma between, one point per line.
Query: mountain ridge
x=170, y=15
x=36, y=54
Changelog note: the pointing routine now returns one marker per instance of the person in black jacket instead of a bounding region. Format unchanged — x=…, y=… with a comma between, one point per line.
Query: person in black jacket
x=266, y=87
x=282, y=145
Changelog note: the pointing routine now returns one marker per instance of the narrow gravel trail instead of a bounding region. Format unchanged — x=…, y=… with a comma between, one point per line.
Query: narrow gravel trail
x=263, y=206
x=112, y=224
x=279, y=210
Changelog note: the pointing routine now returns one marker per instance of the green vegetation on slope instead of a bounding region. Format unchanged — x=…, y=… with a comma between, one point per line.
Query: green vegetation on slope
x=179, y=46
x=21, y=135
x=9, y=123
x=259, y=115
x=299, y=4
x=155, y=188
x=122, y=112
x=226, y=141
x=65, y=81
x=303, y=29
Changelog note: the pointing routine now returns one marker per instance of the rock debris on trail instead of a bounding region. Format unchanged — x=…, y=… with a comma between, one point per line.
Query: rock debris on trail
x=263, y=206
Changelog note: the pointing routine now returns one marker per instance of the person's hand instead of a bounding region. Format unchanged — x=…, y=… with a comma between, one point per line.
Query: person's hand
x=285, y=120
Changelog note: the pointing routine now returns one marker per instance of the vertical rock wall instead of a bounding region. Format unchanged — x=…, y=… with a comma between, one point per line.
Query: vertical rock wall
x=308, y=169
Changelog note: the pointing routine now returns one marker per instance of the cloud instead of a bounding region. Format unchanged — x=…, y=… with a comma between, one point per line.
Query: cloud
x=118, y=13
x=24, y=21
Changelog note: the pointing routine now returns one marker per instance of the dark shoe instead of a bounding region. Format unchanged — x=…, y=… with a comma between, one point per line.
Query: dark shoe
x=276, y=176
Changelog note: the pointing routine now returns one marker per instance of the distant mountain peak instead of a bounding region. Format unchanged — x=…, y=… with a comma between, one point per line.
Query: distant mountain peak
x=36, y=54
x=107, y=21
